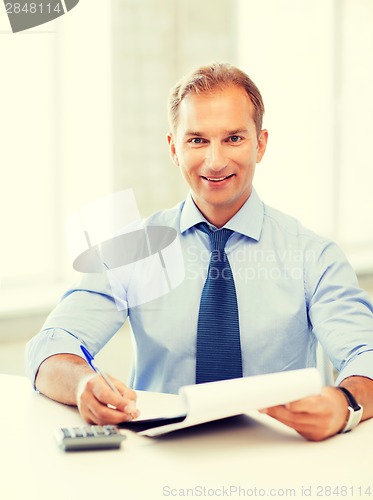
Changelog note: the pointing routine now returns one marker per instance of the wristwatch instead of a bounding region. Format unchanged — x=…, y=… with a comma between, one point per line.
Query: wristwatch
x=355, y=411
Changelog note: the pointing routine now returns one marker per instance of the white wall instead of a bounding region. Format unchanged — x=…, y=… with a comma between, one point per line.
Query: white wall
x=154, y=43
x=312, y=59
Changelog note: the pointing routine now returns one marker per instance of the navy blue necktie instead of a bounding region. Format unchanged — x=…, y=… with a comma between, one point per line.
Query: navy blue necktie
x=218, y=334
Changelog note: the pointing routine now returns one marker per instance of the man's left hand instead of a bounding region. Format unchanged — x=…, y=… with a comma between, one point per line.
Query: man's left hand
x=316, y=417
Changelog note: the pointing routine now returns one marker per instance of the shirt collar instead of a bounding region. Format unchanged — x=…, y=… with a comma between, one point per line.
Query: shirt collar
x=247, y=221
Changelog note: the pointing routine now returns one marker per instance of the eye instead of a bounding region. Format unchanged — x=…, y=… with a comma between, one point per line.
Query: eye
x=196, y=140
x=235, y=138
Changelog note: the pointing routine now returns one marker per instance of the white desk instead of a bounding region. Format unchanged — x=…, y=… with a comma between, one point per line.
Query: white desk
x=245, y=453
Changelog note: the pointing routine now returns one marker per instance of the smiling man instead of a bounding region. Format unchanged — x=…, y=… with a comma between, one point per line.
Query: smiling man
x=271, y=291
x=216, y=144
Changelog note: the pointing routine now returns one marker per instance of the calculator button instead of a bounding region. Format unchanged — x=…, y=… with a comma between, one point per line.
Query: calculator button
x=98, y=430
x=66, y=432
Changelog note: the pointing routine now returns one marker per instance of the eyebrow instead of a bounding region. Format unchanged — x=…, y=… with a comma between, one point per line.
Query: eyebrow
x=192, y=133
x=189, y=133
x=237, y=131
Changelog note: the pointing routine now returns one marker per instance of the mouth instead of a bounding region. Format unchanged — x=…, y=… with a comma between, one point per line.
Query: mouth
x=217, y=179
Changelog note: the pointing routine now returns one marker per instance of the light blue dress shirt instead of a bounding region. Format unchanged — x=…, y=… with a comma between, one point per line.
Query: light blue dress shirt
x=294, y=288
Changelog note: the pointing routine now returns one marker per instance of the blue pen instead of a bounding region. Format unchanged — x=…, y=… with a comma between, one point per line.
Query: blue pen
x=90, y=360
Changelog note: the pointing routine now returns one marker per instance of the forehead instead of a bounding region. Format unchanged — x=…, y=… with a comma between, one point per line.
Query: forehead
x=229, y=108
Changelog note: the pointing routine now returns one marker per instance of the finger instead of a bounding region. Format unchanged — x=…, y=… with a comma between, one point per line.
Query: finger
x=289, y=417
x=114, y=407
x=100, y=403
x=127, y=401
x=101, y=414
x=127, y=393
x=313, y=405
x=124, y=389
x=107, y=396
x=305, y=424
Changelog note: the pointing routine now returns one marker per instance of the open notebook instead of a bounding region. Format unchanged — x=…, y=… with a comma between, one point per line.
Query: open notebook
x=196, y=404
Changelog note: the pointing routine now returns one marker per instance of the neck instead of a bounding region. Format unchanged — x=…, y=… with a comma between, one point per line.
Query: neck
x=218, y=215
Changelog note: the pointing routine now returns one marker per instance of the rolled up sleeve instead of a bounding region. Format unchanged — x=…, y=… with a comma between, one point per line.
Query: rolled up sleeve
x=341, y=313
x=86, y=314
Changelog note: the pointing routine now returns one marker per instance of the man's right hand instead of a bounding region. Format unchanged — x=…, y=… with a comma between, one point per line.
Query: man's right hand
x=67, y=378
x=98, y=404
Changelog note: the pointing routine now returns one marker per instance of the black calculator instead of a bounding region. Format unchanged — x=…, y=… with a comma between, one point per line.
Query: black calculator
x=89, y=437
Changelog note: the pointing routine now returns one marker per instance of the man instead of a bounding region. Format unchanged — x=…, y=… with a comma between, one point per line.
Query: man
x=293, y=287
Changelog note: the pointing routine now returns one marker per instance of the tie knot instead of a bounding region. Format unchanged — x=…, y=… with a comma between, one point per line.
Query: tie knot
x=218, y=237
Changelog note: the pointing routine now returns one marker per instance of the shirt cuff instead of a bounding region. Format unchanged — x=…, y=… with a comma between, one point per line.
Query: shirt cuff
x=361, y=366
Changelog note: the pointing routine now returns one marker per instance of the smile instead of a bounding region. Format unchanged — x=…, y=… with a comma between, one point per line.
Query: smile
x=217, y=179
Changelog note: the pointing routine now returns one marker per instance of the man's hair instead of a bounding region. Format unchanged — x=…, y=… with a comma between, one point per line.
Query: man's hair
x=209, y=78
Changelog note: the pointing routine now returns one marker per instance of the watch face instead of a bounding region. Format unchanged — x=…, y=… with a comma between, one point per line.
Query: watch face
x=353, y=419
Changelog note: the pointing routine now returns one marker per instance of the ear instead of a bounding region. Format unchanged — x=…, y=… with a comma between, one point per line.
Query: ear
x=171, y=144
x=262, y=145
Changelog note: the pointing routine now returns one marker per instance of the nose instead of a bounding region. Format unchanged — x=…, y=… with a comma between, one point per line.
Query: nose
x=215, y=158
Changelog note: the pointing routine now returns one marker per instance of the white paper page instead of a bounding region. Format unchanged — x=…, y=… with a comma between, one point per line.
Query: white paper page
x=216, y=400
x=156, y=405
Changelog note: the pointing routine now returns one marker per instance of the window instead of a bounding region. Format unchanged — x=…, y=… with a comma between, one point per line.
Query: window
x=309, y=59
x=55, y=146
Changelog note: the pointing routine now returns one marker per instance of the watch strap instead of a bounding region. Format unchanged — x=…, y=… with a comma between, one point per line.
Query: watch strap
x=355, y=411
x=350, y=398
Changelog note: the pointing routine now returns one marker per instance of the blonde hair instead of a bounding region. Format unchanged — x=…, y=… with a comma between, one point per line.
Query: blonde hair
x=211, y=77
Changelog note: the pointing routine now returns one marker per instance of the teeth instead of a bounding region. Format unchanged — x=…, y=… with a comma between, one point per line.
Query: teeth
x=220, y=179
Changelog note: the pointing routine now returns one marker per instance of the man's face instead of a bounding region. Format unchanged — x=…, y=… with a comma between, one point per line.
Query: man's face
x=216, y=146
